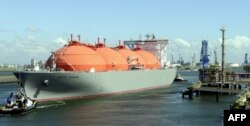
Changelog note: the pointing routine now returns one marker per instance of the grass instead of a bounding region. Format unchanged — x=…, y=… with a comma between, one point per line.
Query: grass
x=3, y=69
x=7, y=79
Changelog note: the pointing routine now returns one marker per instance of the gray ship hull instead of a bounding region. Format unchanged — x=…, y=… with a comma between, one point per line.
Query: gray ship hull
x=50, y=86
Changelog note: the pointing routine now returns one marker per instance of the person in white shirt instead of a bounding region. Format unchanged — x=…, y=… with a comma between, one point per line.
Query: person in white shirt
x=28, y=103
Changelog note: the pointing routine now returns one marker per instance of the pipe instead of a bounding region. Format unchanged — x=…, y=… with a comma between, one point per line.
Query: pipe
x=79, y=38
x=71, y=37
x=104, y=40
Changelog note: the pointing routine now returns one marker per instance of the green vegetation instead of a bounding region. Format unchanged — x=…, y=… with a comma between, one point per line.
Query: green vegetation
x=246, y=68
x=7, y=79
x=7, y=69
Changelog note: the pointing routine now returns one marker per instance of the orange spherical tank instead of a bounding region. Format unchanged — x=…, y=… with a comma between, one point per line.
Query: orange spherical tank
x=113, y=59
x=132, y=58
x=78, y=57
x=151, y=62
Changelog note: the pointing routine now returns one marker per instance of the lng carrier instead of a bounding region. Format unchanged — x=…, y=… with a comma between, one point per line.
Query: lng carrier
x=79, y=70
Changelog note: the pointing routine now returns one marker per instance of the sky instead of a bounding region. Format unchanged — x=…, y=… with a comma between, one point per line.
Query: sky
x=32, y=29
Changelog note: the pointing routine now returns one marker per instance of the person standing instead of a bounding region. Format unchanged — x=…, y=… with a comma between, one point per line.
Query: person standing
x=10, y=101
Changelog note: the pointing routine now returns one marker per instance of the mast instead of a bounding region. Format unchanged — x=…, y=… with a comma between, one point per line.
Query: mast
x=223, y=55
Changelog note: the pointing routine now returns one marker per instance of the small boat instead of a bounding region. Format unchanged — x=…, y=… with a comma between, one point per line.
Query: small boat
x=179, y=78
x=17, y=110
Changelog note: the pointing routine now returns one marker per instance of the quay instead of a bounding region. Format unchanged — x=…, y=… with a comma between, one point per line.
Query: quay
x=220, y=90
x=212, y=88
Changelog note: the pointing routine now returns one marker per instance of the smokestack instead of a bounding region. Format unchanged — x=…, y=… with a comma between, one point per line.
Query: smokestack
x=119, y=42
x=98, y=40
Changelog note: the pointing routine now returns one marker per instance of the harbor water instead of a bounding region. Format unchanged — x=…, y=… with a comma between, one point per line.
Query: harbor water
x=159, y=107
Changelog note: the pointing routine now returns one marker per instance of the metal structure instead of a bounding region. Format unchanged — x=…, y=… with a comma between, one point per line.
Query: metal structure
x=193, y=60
x=215, y=58
x=246, y=59
x=223, y=55
x=158, y=47
x=204, y=54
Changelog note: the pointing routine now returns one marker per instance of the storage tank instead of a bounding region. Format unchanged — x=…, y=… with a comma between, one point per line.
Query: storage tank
x=151, y=62
x=113, y=59
x=77, y=57
x=134, y=60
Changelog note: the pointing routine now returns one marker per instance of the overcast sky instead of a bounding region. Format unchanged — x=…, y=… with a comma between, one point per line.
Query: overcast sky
x=32, y=29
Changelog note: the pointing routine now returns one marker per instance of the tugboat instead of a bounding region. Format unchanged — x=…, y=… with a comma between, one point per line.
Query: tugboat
x=18, y=104
x=179, y=78
x=241, y=101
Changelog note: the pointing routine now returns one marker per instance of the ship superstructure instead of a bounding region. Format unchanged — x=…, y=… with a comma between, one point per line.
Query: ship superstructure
x=158, y=47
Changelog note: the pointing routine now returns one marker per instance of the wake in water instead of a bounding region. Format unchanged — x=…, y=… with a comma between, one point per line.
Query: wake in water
x=56, y=104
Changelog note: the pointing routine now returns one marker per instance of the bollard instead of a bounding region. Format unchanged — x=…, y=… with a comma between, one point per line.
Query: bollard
x=190, y=93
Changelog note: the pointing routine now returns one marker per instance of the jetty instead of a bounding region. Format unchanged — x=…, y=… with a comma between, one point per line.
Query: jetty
x=210, y=81
x=214, y=79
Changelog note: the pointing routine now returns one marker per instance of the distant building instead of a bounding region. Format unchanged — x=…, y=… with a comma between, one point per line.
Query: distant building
x=33, y=63
x=234, y=65
x=176, y=65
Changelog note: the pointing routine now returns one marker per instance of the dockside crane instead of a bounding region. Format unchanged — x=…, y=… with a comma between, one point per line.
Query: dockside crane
x=204, y=54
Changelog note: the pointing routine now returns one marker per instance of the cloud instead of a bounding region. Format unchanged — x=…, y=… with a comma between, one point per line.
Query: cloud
x=22, y=49
x=60, y=41
x=29, y=45
x=32, y=29
x=235, y=48
x=182, y=43
x=31, y=38
x=239, y=42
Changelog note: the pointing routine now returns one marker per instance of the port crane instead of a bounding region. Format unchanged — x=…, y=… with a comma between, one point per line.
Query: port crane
x=204, y=54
